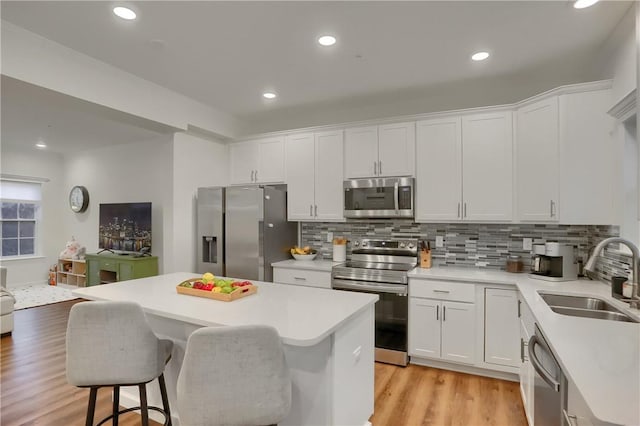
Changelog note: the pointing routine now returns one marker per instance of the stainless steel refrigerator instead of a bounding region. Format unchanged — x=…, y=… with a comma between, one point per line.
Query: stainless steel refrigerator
x=242, y=230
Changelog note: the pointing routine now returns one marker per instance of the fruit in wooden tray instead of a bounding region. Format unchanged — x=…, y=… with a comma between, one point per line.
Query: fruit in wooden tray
x=207, y=277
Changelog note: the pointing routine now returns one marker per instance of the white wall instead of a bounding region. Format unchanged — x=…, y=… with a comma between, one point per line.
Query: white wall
x=617, y=58
x=54, y=204
x=137, y=172
x=32, y=58
x=197, y=162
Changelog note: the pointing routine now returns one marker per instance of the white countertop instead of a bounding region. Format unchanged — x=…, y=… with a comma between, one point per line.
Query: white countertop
x=602, y=358
x=303, y=316
x=310, y=265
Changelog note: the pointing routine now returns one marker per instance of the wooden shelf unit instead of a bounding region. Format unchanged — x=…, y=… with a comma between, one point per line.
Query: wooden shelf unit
x=72, y=272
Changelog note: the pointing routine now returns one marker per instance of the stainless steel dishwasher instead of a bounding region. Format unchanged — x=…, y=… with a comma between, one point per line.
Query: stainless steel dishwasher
x=550, y=385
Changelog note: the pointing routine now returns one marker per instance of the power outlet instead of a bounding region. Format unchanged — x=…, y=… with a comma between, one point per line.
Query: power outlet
x=329, y=237
x=439, y=241
x=527, y=243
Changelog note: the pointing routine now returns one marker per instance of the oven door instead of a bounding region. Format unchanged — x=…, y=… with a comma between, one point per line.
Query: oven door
x=392, y=316
x=382, y=197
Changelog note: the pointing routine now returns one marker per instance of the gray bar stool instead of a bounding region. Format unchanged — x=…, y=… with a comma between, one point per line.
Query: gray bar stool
x=111, y=344
x=234, y=376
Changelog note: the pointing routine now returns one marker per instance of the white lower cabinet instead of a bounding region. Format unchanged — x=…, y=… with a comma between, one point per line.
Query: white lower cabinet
x=442, y=329
x=305, y=277
x=502, y=331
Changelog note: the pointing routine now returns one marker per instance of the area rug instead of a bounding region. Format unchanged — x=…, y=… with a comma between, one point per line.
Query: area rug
x=40, y=294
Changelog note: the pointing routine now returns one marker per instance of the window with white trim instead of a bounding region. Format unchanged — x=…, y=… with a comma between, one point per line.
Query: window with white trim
x=19, y=218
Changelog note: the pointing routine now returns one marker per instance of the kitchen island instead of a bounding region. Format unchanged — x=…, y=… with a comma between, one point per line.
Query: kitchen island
x=328, y=338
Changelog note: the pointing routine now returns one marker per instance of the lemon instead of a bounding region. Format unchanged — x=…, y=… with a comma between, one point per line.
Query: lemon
x=208, y=277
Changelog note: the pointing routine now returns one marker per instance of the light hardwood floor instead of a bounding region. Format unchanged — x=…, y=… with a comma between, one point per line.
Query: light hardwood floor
x=34, y=390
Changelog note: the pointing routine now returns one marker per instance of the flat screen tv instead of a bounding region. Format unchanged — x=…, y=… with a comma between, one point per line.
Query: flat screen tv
x=125, y=227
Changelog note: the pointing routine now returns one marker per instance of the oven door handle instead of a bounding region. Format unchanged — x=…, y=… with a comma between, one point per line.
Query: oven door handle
x=400, y=290
x=396, y=196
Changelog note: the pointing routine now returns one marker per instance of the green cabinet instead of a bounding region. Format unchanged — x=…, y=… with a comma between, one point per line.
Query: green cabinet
x=107, y=268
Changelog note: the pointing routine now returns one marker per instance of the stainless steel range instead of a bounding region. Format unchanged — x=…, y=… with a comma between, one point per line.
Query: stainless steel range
x=380, y=267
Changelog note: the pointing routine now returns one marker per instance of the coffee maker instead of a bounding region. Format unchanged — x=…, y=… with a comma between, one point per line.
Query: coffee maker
x=553, y=262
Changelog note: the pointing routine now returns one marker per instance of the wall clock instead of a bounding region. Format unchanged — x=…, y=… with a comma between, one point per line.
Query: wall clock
x=79, y=199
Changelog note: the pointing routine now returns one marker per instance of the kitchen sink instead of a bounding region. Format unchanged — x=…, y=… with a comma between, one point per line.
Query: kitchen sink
x=585, y=307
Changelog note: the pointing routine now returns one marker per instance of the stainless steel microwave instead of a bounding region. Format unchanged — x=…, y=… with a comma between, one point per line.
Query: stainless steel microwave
x=379, y=198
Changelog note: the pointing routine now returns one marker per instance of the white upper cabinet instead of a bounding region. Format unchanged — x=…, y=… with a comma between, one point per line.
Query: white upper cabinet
x=537, y=161
x=361, y=152
x=380, y=151
x=439, y=171
x=487, y=171
x=396, y=149
x=259, y=161
x=329, y=203
x=300, y=161
x=314, y=176
x=587, y=159
x=464, y=168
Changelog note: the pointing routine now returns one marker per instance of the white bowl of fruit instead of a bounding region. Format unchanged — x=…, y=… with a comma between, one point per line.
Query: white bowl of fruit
x=304, y=253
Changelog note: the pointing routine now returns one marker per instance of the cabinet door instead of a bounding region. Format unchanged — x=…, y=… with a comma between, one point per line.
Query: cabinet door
x=270, y=167
x=536, y=167
x=329, y=200
x=588, y=162
x=361, y=152
x=487, y=176
x=300, y=176
x=397, y=149
x=424, y=327
x=501, y=327
x=125, y=271
x=526, y=375
x=458, y=332
x=439, y=172
x=243, y=160
x=93, y=271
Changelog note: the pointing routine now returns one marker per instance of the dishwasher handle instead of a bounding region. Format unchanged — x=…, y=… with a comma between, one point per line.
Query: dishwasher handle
x=537, y=365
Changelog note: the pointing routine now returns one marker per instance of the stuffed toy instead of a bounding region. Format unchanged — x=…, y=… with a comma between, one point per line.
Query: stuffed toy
x=73, y=250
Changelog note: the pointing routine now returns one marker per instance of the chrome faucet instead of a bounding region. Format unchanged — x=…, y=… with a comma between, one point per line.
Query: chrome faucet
x=591, y=265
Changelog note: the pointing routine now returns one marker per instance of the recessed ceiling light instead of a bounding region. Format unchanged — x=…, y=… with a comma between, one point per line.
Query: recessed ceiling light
x=269, y=95
x=581, y=4
x=41, y=145
x=480, y=56
x=124, y=13
x=327, y=40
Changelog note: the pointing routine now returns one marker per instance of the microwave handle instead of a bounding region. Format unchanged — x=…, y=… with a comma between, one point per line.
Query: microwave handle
x=396, y=196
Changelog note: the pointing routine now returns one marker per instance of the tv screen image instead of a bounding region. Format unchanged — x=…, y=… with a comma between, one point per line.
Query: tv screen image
x=125, y=226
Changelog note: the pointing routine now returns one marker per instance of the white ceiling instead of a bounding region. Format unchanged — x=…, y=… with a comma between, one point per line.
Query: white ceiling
x=226, y=54
x=31, y=113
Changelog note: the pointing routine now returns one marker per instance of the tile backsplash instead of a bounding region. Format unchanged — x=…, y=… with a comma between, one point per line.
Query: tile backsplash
x=473, y=244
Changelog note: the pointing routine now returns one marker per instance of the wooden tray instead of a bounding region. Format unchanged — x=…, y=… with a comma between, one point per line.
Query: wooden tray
x=247, y=290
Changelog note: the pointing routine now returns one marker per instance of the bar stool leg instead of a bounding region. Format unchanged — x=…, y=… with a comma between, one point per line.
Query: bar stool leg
x=165, y=399
x=93, y=393
x=144, y=409
x=116, y=404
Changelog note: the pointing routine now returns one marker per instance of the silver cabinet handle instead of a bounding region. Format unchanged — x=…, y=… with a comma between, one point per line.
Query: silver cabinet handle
x=519, y=312
x=552, y=206
x=437, y=312
x=380, y=167
x=375, y=168
x=465, y=209
x=251, y=175
x=441, y=291
x=300, y=278
x=316, y=210
x=444, y=313
x=311, y=210
x=256, y=176
x=458, y=216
